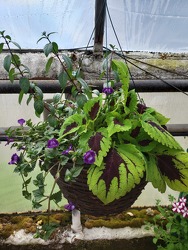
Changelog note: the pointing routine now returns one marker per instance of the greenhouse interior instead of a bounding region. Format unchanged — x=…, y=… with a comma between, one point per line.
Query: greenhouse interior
x=94, y=124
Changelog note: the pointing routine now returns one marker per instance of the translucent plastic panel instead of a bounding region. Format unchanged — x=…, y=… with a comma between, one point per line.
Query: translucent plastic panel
x=25, y=20
x=147, y=25
x=150, y=25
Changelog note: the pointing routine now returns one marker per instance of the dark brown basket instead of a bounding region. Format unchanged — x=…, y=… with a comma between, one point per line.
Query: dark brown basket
x=79, y=194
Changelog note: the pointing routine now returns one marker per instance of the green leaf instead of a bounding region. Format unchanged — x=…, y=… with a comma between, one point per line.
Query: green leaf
x=26, y=194
x=48, y=48
x=159, y=134
x=63, y=78
x=36, y=204
x=1, y=47
x=39, y=182
x=122, y=70
x=85, y=87
x=20, y=98
x=55, y=47
x=92, y=108
x=67, y=61
x=8, y=37
x=57, y=97
x=52, y=121
x=48, y=64
x=24, y=84
x=161, y=118
x=81, y=100
x=7, y=62
x=38, y=194
x=155, y=240
x=38, y=106
x=153, y=174
x=16, y=44
x=132, y=100
x=173, y=167
x=57, y=197
x=75, y=171
x=26, y=69
x=114, y=178
x=11, y=74
x=27, y=181
x=136, y=158
x=116, y=125
x=100, y=143
x=72, y=124
x=38, y=92
x=29, y=99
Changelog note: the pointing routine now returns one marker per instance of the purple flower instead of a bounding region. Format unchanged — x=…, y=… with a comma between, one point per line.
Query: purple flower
x=14, y=159
x=52, y=143
x=108, y=90
x=70, y=206
x=21, y=121
x=89, y=157
x=66, y=152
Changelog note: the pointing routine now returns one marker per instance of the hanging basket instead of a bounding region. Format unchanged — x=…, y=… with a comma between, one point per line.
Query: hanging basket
x=79, y=194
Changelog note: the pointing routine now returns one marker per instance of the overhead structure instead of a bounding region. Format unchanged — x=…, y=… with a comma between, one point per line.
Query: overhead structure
x=154, y=26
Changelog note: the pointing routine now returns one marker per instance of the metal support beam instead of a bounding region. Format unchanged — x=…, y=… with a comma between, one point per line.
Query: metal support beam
x=174, y=129
x=52, y=86
x=100, y=13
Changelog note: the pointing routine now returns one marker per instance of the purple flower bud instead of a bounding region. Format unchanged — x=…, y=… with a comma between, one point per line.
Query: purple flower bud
x=108, y=90
x=70, y=206
x=14, y=159
x=66, y=152
x=52, y=143
x=21, y=121
x=89, y=157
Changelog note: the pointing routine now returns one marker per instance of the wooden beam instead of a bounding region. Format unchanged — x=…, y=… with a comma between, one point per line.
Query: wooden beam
x=100, y=14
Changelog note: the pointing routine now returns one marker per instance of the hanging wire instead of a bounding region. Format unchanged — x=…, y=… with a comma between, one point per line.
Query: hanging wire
x=126, y=60
x=140, y=99
x=149, y=73
x=91, y=36
x=106, y=35
x=157, y=67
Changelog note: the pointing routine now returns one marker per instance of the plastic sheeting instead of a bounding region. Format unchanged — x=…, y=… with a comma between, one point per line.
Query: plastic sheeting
x=147, y=25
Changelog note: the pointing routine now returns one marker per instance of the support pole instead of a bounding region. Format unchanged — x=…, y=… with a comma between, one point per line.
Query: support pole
x=100, y=14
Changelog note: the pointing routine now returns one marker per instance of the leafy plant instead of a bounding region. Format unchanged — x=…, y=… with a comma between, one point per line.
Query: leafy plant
x=115, y=137
x=171, y=225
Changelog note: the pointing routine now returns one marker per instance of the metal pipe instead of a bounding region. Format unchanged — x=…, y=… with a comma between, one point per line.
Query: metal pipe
x=174, y=129
x=52, y=86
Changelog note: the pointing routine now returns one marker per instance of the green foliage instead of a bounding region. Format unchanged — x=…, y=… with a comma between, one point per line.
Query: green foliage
x=46, y=230
x=170, y=228
x=127, y=140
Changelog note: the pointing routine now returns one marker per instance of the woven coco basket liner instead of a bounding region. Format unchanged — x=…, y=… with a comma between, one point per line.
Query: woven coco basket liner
x=79, y=194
